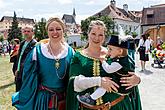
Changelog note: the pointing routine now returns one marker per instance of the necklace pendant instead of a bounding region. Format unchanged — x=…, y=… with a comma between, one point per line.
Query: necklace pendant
x=57, y=64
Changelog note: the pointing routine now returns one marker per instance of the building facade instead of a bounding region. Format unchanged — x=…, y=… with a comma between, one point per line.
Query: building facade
x=6, y=23
x=122, y=17
x=153, y=22
x=74, y=40
x=70, y=23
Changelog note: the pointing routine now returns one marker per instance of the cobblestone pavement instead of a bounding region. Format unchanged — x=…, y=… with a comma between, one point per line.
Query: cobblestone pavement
x=152, y=86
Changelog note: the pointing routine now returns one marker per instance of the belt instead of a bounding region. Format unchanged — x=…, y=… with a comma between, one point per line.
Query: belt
x=56, y=97
x=105, y=106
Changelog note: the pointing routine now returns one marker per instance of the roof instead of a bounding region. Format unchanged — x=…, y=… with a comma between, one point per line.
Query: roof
x=19, y=19
x=68, y=19
x=159, y=5
x=118, y=13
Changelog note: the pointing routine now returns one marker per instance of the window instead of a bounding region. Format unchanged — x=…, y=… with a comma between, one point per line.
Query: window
x=150, y=16
x=150, y=13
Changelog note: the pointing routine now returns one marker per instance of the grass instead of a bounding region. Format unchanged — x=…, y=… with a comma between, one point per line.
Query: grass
x=7, y=87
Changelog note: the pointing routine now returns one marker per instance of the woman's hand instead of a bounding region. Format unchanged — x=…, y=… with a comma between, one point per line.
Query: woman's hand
x=108, y=84
x=130, y=81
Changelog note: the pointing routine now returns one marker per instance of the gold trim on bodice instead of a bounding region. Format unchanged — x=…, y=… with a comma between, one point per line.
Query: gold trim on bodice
x=96, y=72
x=93, y=58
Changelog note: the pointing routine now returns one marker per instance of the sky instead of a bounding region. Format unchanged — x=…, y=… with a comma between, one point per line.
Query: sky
x=37, y=9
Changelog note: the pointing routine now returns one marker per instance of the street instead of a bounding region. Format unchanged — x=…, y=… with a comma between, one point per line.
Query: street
x=152, y=86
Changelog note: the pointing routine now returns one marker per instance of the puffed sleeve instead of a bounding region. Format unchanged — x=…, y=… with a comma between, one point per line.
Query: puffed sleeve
x=25, y=98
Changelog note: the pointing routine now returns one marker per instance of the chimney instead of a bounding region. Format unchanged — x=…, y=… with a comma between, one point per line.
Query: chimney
x=125, y=7
x=113, y=3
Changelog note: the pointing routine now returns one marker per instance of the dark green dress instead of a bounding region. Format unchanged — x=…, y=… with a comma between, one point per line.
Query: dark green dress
x=91, y=67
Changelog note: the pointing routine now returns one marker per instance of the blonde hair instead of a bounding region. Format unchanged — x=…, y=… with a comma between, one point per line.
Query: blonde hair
x=96, y=23
x=57, y=20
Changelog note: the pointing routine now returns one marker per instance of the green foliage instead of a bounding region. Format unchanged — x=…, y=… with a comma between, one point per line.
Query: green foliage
x=40, y=30
x=134, y=34
x=15, y=31
x=1, y=38
x=65, y=35
x=106, y=19
x=163, y=46
x=83, y=37
x=127, y=32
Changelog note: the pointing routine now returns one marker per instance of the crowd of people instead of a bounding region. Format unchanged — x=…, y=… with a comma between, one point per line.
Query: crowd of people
x=5, y=48
x=51, y=75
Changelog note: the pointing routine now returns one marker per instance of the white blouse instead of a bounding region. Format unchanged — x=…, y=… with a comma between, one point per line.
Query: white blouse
x=46, y=53
x=145, y=44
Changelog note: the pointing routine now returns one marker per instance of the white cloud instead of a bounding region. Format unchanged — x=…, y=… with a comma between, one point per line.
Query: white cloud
x=1, y=4
x=95, y=2
x=47, y=16
x=90, y=2
x=19, y=0
x=48, y=8
x=81, y=17
x=19, y=10
x=65, y=1
x=8, y=13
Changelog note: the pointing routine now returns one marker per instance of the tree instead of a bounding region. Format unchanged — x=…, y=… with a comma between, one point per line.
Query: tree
x=15, y=31
x=106, y=19
x=134, y=34
x=40, y=31
x=1, y=38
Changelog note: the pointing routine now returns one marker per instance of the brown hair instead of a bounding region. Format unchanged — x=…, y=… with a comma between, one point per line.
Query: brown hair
x=96, y=23
x=17, y=40
x=57, y=20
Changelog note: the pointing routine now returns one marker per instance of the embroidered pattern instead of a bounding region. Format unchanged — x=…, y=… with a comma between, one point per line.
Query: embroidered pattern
x=96, y=72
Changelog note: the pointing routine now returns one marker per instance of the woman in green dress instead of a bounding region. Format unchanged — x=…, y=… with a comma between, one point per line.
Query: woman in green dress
x=86, y=74
x=46, y=71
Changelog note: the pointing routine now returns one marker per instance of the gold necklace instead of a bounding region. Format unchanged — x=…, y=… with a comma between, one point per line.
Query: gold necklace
x=57, y=64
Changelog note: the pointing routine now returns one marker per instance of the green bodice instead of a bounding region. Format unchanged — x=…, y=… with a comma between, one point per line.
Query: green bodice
x=91, y=67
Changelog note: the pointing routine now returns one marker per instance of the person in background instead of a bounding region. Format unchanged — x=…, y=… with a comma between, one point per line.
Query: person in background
x=25, y=47
x=151, y=43
x=0, y=48
x=144, y=47
x=9, y=48
x=4, y=50
x=14, y=54
x=131, y=47
x=159, y=43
